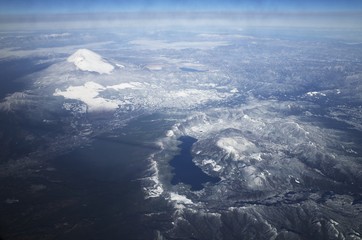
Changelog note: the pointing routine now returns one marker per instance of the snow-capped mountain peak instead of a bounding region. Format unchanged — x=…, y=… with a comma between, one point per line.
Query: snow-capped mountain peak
x=87, y=60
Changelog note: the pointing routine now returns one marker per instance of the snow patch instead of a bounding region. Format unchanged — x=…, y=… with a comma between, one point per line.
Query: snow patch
x=170, y=133
x=256, y=156
x=212, y=85
x=156, y=189
x=130, y=85
x=56, y=35
x=192, y=97
x=120, y=65
x=154, y=67
x=234, y=147
x=234, y=90
x=88, y=93
x=315, y=94
x=253, y=178
x=180, y=200
x=78, y=108
x=214, y=165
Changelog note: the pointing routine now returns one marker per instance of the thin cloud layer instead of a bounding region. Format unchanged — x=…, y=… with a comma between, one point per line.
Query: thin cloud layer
x=179, y=19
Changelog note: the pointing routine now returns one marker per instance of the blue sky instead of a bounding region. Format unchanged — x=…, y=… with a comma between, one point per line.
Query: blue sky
x=30, y=14
x=66, y=6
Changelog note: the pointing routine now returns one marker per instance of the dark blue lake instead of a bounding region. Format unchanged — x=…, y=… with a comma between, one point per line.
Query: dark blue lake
x=185, y=171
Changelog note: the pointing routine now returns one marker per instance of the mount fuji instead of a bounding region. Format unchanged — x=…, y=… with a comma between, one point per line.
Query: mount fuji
x=87, y=60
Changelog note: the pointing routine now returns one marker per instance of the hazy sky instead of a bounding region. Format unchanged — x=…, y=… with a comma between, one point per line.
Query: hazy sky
x=32, y=14
x=68, y=6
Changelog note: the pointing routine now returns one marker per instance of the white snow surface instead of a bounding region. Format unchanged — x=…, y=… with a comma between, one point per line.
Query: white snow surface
x=216, y=167
x=88, y=93
x=314, y=94
x=130, y=85
x=87, y=60
x=156, y=189
x=154, y=67
x=160, y=97
x=234, y=146
x=180, y=200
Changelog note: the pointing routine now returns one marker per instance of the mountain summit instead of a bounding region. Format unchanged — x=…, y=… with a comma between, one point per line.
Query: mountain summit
x=87, y=60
